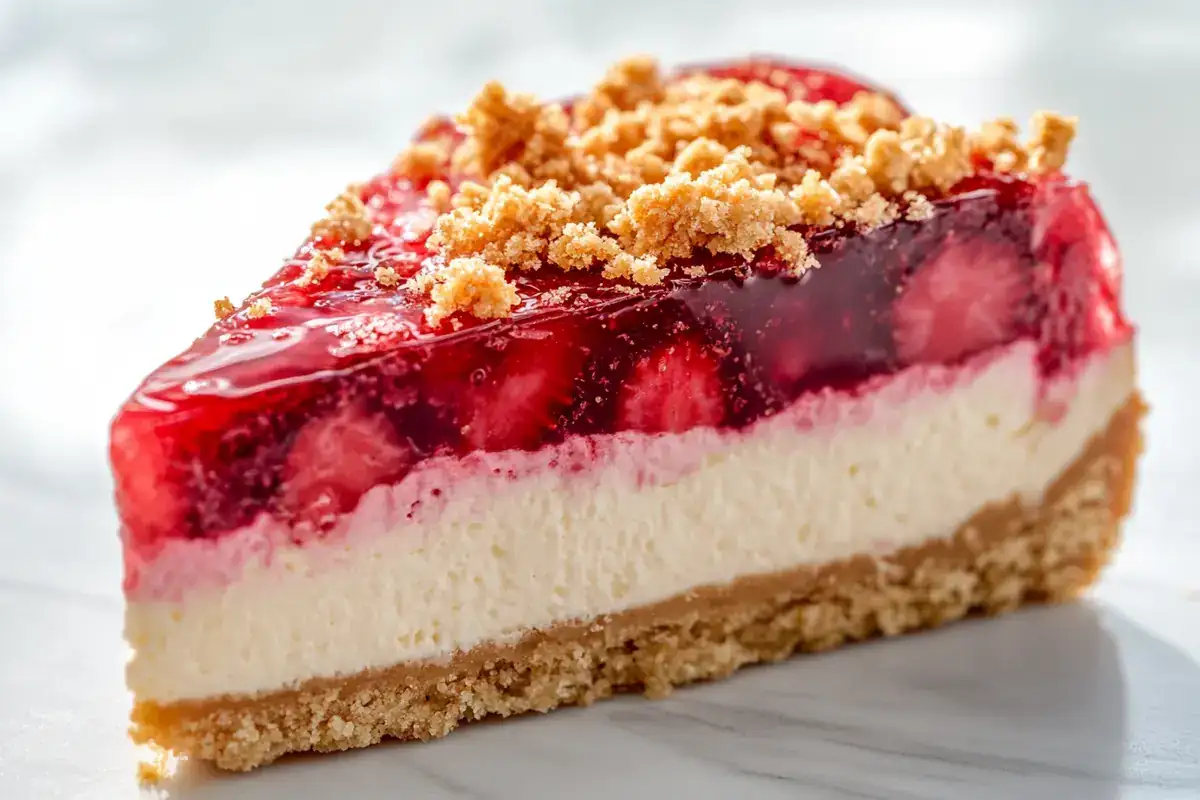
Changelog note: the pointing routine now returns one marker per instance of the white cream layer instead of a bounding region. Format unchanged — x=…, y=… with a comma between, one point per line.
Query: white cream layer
x=833, y=477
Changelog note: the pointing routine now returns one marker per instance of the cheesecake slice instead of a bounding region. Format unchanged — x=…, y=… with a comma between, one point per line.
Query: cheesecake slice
x=697, y=370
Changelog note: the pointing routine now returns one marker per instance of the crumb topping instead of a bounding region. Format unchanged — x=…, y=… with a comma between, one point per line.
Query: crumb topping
x=918, y=207
x=346, y=220
x=318, y=266
x=1052, y=136
x=387, y=276
x=223, y=307
x=422, y=161
x=468, y=284
x=437, y=195
x=644, y=171
x=259, y=308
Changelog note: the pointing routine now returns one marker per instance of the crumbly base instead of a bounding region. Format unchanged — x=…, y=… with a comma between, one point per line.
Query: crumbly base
x=1002, y=557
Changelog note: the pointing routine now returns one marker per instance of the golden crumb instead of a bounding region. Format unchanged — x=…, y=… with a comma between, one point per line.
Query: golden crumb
x=918, y=208
x=318, y=266
x=580, y=246
x=1052, y=136
x=695, y=271
x=437, y=195
x=508, y=226
x=726, y=209
x=941, y=153
x=699, y=156
x=422, y=161
x=259, y=308
x=647, y=169
x=346, y=220
x=873, y=112
x=223, y=307
x=852, y=182
x=886, y=161
x=628, y=84
x=874, y=212
x=816, y=200
x=643, y=271
x=503, y=127
x=159, y=765
x=387, y=277
x=996, y=140
x=555, y=297
x=470, y=284
x=792, y=247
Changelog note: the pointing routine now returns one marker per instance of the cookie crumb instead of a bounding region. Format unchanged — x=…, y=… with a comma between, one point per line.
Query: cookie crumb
x=346, y=220
x=626, y=85
x=422, y=161
x=1052, y=137
x=259, y=308
x=918, y=208
x=996, y=140
x=438, y=195
x=647, y=169
x=875, y=212
x=387, y=277
x=222, y=307
x=319, y=265
x=727, y=209
x=555, y=297
x=793, y=249
x=159, y=765
x=886, y=161
x=940, y=153
x=643, y=271
x=470, y=284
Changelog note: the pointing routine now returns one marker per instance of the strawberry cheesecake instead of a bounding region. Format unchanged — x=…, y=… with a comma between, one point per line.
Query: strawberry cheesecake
x=697, y=370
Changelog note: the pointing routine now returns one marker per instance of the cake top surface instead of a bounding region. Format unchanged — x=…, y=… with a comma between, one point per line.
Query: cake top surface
x=517, y=208
x=694, y=250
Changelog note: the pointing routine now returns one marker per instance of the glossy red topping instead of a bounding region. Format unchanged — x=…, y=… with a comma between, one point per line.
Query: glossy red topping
x=345, y=386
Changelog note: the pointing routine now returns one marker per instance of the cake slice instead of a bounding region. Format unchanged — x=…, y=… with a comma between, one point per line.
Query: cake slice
x=695, y=371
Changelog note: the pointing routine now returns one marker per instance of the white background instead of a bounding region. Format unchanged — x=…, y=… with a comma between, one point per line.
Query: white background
x=156, y=155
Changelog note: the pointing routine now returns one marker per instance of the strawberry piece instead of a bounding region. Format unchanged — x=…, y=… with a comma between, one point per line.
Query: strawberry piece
x=150, y=500
x=514, y=405
x=962, y=300
x=335, y=459
x=675, y=388
x=1080, y=262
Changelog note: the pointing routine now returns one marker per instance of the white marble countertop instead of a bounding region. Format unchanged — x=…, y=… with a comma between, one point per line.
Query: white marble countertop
x=156, y=155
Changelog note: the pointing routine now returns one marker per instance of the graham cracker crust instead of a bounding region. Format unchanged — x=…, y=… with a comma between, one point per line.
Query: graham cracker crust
x=1004, y=556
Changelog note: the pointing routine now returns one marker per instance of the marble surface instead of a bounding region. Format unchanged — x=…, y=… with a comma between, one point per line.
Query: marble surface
x=156, y=155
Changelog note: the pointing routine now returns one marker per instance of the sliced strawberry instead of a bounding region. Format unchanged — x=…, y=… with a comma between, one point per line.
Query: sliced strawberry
x=335, y=459
x=675, y=388
x=1081, y=268
x=515, y=404
x=963, y=299
x=151, y=503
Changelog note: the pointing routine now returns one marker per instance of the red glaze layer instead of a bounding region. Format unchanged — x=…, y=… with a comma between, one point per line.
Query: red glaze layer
x=345, y=386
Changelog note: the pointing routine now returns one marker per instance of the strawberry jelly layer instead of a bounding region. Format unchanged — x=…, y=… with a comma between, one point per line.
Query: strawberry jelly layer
x=459, y=491
x=300, y=414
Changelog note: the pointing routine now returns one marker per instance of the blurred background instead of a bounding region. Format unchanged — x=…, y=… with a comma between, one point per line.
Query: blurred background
x=157, y=155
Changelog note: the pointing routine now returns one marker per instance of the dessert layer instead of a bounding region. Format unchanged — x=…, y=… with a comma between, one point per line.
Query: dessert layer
x=649, y=517
x=1005, y=555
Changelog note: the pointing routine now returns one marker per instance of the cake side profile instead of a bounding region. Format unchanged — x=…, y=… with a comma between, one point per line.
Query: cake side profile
x=691, y=372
